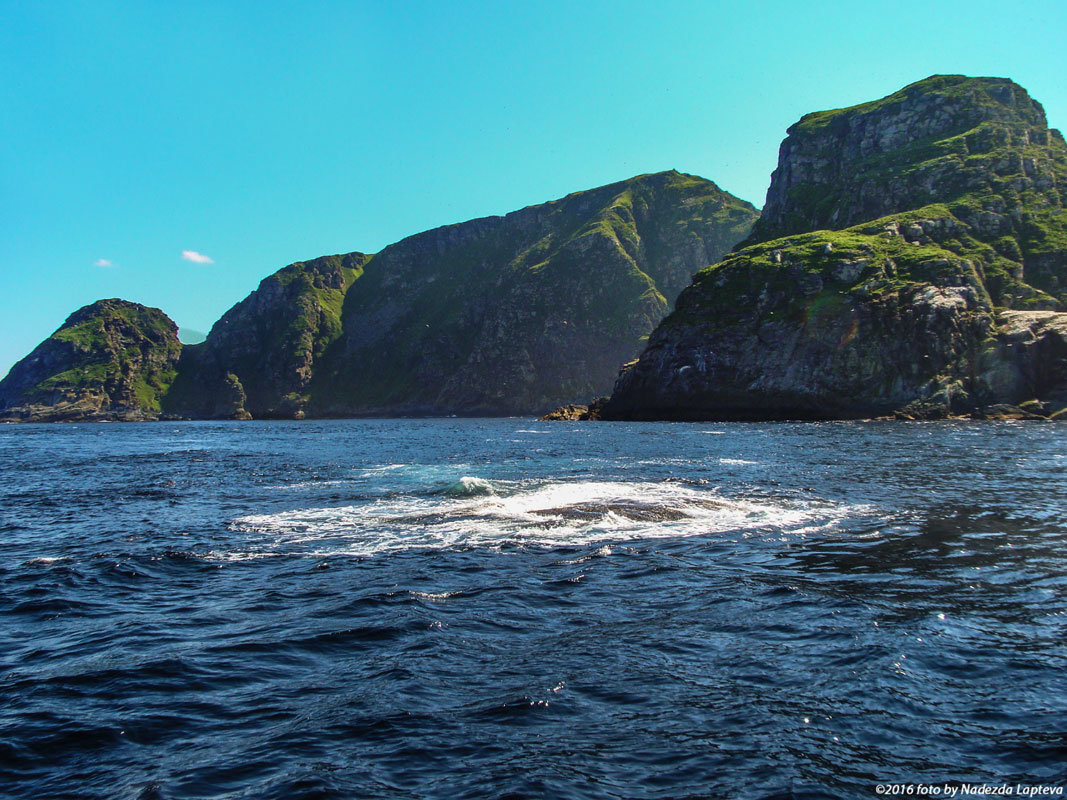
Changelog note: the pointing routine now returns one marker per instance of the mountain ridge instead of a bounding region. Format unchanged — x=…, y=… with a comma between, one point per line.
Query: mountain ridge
x=317, y=337
x=489, y=343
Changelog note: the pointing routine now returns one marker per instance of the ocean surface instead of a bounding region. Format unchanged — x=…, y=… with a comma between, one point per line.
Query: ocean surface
x=514, y=609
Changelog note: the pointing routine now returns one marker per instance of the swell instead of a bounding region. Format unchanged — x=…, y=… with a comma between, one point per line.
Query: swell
x=333, y=611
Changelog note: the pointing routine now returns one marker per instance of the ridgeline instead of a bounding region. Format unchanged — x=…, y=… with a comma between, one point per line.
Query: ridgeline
x=501, y=315
x=910, y=261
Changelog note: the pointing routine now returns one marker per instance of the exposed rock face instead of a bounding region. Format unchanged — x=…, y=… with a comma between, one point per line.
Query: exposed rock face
x=230, y=402
x=944, y=139
x=854, y=333
x=517, y=314
x=957, y=187
x=260, y=357
x=1027, y=360
x=111, y=360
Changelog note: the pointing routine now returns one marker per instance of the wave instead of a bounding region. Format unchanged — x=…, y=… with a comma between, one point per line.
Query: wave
x=475, y=512
x=468, y=486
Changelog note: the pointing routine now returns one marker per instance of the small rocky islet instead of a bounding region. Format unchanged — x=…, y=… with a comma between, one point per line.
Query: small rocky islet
x=910, y=261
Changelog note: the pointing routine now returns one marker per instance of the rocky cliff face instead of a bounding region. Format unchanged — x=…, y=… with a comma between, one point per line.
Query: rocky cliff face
x=932, y=290
x=944, y=139
x=519, y=313
x=259, y=358
x=110, y=360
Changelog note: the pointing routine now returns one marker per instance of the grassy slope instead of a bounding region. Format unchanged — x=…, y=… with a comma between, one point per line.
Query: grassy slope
x=419, y=311
x=105, y=348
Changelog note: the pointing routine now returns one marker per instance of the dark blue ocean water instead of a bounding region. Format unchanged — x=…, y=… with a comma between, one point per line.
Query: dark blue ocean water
x=512, y=609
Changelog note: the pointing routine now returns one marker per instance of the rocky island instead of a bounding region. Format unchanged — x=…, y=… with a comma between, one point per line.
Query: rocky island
x=110, y=360
x=911, y=259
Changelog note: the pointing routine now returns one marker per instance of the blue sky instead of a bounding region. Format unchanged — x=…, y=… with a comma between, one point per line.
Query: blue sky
x=256, y=134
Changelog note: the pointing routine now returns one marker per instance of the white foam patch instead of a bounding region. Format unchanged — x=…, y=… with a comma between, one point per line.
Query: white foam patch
x=285, y=487
x=383, y=468
x=574, y=513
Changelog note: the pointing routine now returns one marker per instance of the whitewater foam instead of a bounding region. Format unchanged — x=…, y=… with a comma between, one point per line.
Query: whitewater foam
x=470, y=486
x=475, y=512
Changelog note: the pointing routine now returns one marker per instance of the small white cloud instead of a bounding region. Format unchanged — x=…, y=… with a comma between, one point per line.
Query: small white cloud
x=196, y=258
x=102, y=262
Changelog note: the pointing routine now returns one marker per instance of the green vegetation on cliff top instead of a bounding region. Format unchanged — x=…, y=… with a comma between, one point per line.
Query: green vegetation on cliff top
x=974, y=152
x=113, y=357
x=976, y=93
x=876, y=260
x=979, y=144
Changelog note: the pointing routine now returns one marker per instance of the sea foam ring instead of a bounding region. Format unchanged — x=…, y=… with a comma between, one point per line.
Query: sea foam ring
x=475, y=512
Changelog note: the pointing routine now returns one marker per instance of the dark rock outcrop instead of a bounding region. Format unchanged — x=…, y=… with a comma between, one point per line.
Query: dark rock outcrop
x=934, y=291
x=112, y=360
x=575, y=412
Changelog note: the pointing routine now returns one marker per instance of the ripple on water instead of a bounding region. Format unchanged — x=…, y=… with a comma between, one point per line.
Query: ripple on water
x=472, y=608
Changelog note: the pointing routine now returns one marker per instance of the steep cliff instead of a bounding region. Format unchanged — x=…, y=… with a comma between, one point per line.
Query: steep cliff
x=518, y=313
x=932, y=289
x=110, y=360
x=259, y=358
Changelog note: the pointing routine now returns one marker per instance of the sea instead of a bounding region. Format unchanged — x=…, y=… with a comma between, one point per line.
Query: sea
x=506, y=608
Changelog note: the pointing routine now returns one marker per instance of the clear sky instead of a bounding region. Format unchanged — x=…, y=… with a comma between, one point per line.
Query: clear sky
x=250, y=135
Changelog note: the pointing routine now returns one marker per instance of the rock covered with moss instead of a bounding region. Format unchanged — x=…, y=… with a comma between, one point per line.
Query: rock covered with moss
x=259, y=358
x=981, y=143
x=942, y=217
x=111, y=360
x=517, y=314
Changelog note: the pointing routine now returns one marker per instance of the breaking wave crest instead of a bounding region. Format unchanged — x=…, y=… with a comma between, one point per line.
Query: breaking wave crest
x=469, y=487
x=474, y=512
